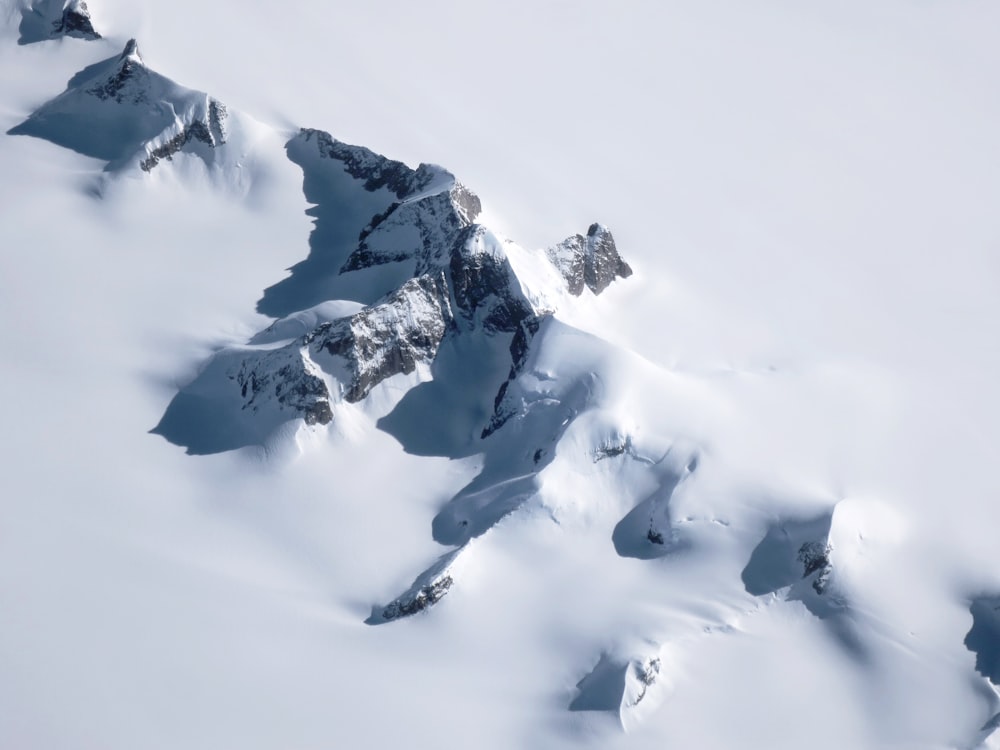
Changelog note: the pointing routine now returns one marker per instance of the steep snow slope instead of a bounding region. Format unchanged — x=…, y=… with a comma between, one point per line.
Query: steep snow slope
x=792, y=500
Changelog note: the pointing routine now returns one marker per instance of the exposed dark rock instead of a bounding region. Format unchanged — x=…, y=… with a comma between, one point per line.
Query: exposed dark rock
x=612, y=449
x=654, y=536
x=128, y=82
x=483, y=283
x=376, y=170
x=815, y=556
x=592, y=261
x=52, y=19
x=519, y=345
x=791, y=550
x=424, y=229
x=282, y=375
x=646, y=674
x=425, y=597
x=210, y=131
x=390, y=337
x=76, y=22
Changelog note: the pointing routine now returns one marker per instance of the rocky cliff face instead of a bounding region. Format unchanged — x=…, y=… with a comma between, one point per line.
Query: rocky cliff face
x=52, y=19
x=121, y=111
x=389, y=338
x=459, y=278
x=590, y=261
x=75, y=21
x=286, y=380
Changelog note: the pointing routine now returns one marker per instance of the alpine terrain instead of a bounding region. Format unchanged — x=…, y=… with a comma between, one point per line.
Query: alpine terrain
x=665, y=420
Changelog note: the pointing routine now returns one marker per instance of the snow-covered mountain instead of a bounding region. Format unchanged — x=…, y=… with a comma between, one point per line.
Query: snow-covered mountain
x=429, y=484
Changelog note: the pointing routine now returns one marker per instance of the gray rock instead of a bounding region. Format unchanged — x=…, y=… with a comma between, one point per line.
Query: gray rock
x=592, y=261
x=376, y=170
x=210, y=131
x=76, y=22
x=486, y=290
x=425, y=597
x=390, y=337
x=53, y=19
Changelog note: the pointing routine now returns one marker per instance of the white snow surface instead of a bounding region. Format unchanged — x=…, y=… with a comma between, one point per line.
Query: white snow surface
x=808, y=351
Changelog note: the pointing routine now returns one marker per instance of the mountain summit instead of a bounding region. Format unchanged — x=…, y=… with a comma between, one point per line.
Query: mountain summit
x=124, y=113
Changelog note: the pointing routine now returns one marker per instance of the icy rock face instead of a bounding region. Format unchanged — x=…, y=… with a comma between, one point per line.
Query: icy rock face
x=122, y=112
x=210, y=130
x=592, y=261
x=360, y=351
x=423, y=598
x=505, y=407
x=422, y=228
x=288, y=378
x=375, y=170
x=792, y=550
x=389, y=338
x=75, y=21
x=428, y=589
x=52, y=19
x=402, y=242
x=815, y=558
x=486, y=289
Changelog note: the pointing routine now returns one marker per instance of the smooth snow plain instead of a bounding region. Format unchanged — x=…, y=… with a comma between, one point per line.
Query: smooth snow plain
x=808, y=196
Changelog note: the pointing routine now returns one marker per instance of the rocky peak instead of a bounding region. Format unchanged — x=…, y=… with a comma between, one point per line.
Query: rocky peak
x=592, y=260
x=376, y=170
x=209, y=129
x=121, y=111
x=131, y=51
x=126, y=82
x=76, y=22
x=52, y=19
x=388, y=338
x=485, y=287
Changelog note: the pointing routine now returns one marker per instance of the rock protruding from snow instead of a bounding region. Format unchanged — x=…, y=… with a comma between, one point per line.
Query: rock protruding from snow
x=422, y=227
x=616, y=684
x=52, y=19
x=375, y=170
x=984, y=637
x=210, y=130
x=503, y=407
x=389, y=338
x=792, y=550
x=427, y=590
x=121, y=111
x=286, y=377
x=645, y=673
x=351, y=355
x=487, y=291
x=590, y=261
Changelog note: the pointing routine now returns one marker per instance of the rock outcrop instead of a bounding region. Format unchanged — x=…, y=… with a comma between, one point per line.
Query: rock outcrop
x=121, y=111
x=52, y=19
x=590, y=261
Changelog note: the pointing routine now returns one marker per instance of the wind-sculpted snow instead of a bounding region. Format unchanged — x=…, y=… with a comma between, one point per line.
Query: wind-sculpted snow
x=124, y=113
x=647, y=532
x=52, y=19
x=796, y=557
x=615, y=685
